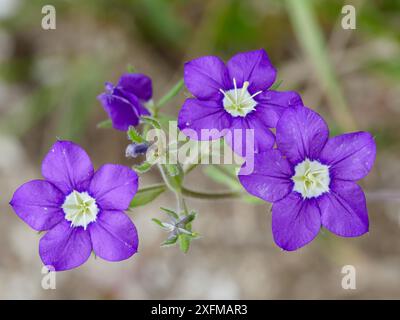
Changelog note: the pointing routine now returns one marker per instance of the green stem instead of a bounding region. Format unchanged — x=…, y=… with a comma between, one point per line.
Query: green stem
x=211, y=196
x=311, y=38
x=200, y=194
x=156, y=186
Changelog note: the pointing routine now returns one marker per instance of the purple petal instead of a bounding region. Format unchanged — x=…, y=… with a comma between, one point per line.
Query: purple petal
x=121, y=112
x=38, y=203
x=295, y=222
x=270, y=179
x=137, y=84
x=343, y=209
x=113, y=186
x=134, y=101
x=249, y=135
x=254, y=67
x=114, y=236
x=350, y=156
x=65, y=247
x=301, y=133
x=198, y=115
x=68, y=167
x=272, y=104
x=205, y=76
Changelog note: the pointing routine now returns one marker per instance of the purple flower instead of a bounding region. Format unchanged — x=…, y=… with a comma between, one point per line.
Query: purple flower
x=234, y=96
x=311, y=179
x=82, y=210
x=124, y=103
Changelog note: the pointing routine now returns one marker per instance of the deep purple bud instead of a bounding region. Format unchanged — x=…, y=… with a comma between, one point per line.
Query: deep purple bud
x=135, y=149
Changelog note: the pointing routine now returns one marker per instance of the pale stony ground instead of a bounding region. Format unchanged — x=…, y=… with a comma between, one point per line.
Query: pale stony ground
x=236, y=257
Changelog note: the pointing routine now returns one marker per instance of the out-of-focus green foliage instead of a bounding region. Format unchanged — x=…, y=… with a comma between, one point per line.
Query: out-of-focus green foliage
x=175, y=31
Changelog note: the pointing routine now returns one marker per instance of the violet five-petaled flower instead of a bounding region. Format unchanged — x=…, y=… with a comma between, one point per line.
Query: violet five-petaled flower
x=232, y=97
x=311, y=179
x=82, y=210
x=125, y=102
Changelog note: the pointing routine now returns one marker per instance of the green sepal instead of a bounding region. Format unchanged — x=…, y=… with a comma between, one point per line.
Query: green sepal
x=157, y=222
x=184, y=242
x=172, y=214
x=170, y=241
x=105, y=124
x=143, y=167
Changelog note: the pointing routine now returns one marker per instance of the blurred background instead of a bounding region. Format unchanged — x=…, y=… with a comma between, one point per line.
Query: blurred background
x=49, y=80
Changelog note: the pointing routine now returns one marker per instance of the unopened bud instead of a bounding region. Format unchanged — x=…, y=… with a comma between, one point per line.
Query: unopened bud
x=135, y=149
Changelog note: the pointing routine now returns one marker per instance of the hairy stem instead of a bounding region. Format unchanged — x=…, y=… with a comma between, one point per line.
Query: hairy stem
x=210, y=195
x=199, y=194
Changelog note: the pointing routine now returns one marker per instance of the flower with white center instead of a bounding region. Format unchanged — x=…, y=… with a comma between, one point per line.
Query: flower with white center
x=239, y=102
x=311, y=179
x=81, y=210
x=232, y=98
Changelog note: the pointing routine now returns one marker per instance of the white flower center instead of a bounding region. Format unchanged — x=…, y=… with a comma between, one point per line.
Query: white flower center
x=311, y=178
x=239, y=102
x=80, y=209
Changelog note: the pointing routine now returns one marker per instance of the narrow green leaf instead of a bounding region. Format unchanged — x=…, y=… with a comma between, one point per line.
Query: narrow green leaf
x=106, y=124
x=191, y=216
x=222, y=176
x=146, y=195
x=170, y=241
x=170, y=94
x=134, y=136
x=276, y=85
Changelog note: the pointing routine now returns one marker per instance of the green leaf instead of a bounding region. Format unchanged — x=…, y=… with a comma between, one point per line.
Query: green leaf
x=106, y=124
x=134, y=136
x=170, y=94
x=170, y=213
x=143, y=167
x=184, y=242
x=276, y=85
x=146, y=195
